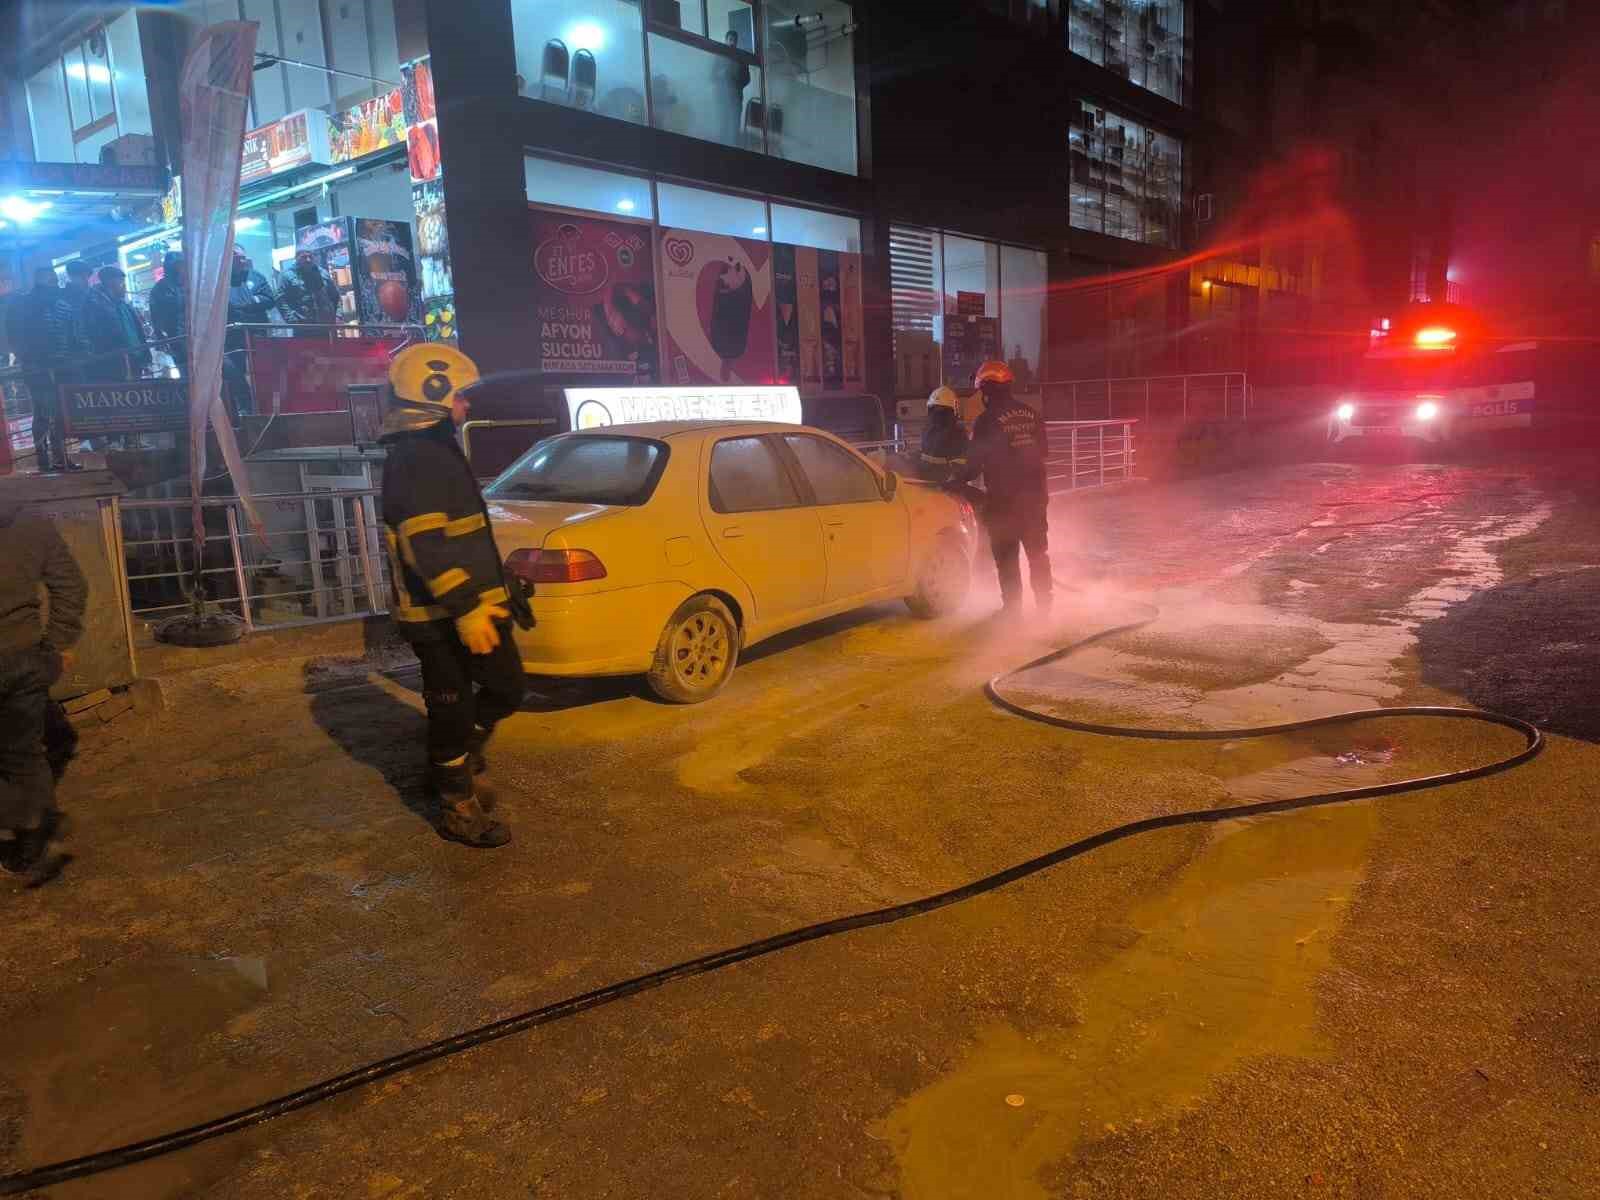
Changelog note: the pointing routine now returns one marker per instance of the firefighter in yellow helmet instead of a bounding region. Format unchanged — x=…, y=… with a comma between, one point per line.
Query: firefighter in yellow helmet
x=1009, y=451
x=452, y=600
x=944, y=443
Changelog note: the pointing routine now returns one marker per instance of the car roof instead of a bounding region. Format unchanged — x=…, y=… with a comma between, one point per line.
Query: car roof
x=662, y=430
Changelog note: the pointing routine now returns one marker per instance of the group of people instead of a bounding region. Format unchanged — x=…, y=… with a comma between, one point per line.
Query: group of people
x=66, y=334
x=87, y=331
x=1008, y=451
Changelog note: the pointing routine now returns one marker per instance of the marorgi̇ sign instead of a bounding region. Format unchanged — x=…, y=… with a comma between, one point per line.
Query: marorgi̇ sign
x=133, y=406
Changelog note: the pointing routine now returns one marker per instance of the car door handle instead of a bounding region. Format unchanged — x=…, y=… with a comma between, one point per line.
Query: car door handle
x=732, y=531
x=834, y=524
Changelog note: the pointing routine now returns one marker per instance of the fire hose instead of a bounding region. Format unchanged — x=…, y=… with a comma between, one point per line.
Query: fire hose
x=168, y=1143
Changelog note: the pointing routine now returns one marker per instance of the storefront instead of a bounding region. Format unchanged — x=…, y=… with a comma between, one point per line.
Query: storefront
x=959, y=301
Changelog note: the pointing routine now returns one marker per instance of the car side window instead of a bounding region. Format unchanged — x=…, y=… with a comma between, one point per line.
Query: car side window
x=837, y=476
x=748, y=476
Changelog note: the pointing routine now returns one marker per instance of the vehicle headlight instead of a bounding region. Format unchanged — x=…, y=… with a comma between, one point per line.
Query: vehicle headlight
x=1427, y=410
x=1345, y=411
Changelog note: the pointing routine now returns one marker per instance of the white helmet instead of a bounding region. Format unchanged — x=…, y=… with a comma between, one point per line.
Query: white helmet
x=944, y=397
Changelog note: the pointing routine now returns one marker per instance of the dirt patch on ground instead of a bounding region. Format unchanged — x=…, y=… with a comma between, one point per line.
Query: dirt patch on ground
x=1526, y=649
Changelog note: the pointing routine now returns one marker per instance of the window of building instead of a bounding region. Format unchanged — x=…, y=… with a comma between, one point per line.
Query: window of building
x=582, y=53
x=809, y=227
x=567, y=185
x=776, y=78
x=1140, y=40
x=90, y=96
x=711, y=212
x=811, y=83
x=971, y=270
x=1127, y=180
x=933, y=278
x=708, y=92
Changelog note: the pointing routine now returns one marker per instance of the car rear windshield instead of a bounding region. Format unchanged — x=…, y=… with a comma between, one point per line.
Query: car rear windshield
x=586, y=469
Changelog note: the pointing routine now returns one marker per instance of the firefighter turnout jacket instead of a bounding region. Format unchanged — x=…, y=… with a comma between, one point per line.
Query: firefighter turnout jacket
x=1009, y=450
x=944, y=451
x=442, y=553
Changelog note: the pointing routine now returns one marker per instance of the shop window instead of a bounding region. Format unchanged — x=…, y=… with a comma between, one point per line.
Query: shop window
x=711, y=212
x=1024, y=283
x=811, y=83
x=916, y=282
x=706, y=93
x=936, y=281
x=1143, y=42
x=1127, y=180
x=808, y=227
x=565, y=185
x=585, y=54
x=971, y=269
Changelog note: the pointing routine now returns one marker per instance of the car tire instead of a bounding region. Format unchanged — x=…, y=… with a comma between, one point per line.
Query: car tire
x=943, y=581
x=697, y=652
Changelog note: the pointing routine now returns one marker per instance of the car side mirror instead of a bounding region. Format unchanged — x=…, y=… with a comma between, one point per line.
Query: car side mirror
x=891, y=484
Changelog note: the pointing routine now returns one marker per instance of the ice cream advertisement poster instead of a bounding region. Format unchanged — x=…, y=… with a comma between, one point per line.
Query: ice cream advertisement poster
x=716, y=306
x=595, y=295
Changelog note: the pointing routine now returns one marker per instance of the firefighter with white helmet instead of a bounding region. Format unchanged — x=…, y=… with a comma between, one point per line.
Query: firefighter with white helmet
x=1009, y=451
x=452, y=600
x=944, y=442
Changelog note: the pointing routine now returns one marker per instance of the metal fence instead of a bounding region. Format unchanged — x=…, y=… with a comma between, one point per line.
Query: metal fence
x=1086, y=454
x=1173, y=399
x=330, y=565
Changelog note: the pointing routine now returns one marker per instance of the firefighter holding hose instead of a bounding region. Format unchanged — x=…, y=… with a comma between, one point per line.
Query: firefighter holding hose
x=452, y=600
x=1009, y=451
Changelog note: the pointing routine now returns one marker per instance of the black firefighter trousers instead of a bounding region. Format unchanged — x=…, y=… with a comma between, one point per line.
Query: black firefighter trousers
x=1020, y=523
x=449, y=673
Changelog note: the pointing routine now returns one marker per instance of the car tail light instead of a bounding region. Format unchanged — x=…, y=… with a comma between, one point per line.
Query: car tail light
x=555, y=566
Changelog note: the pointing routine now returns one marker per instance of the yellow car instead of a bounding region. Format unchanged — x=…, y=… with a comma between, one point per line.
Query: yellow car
x=664, y=549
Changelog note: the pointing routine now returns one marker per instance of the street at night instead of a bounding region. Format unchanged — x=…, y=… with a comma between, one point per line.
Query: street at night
x=1390, y=997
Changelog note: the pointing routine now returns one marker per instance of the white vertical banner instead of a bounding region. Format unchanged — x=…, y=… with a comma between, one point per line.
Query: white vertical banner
x=213, y=93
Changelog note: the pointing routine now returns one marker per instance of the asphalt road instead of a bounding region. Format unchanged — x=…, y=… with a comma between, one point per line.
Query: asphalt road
x=1383, y=1000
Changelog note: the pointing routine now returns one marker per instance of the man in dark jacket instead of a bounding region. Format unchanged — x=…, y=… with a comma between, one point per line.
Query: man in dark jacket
x=69, y=348
x=169, y=311
x=1009, y=449
x=29, y=328
x=250, y=302
x=31, y=660
x=113, y=329
x=306, y=296
x=452, y=600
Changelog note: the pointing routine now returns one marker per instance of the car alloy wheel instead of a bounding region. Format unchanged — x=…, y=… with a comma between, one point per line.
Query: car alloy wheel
x=699, y=651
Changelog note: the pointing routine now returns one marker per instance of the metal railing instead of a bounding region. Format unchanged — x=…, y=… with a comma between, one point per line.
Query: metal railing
x=1086, y=454
x=328, y=565
x=1210, y=396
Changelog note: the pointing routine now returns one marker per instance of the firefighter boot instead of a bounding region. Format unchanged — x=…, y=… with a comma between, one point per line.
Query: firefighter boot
x=461, y=815
x=480, y=764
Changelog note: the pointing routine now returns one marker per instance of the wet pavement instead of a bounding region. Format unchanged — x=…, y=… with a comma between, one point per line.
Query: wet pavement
x=1390, y=999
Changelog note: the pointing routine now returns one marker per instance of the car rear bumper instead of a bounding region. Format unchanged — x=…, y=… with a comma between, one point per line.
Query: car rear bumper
x=598, y=633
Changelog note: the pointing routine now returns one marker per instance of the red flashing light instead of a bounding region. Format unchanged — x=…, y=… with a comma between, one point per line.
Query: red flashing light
x=1435, y=337
x=555, y=566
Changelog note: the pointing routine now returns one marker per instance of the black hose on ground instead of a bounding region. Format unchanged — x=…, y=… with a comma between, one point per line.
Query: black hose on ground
x=168, y=1143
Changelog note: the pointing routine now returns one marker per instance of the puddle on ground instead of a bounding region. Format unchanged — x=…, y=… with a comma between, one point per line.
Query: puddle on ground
x=1220, y=968
x=132, y=1052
